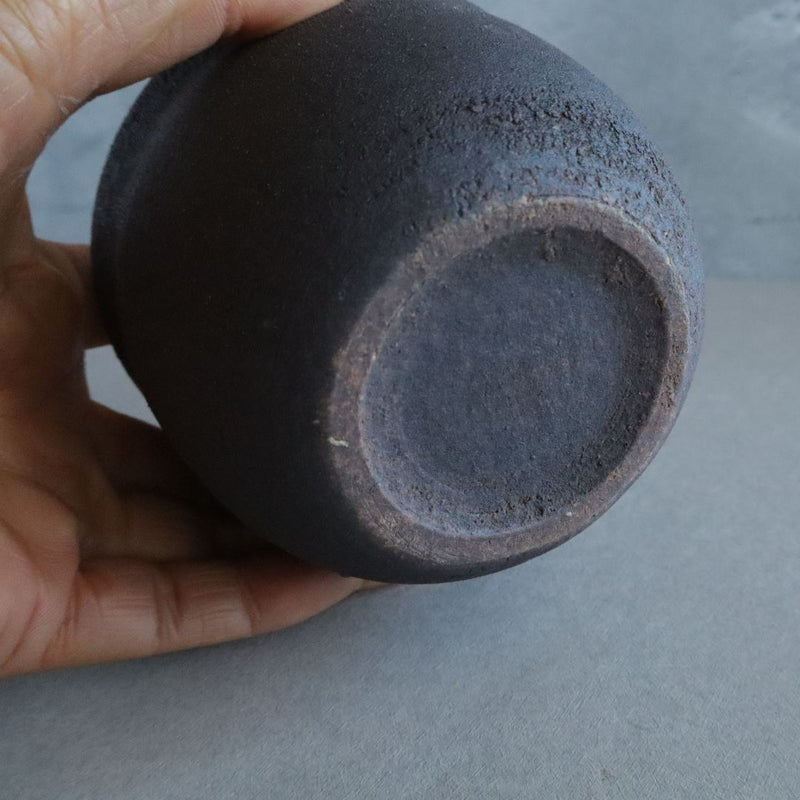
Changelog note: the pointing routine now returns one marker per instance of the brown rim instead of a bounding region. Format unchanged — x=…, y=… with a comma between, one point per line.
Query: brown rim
x=391, y=529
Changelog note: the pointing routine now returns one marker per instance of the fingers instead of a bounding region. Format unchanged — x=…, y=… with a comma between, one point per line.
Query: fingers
x=153, y=528
x=137, y=457
x=74, y=262
x=162, y=512
x=77, y=257
x=129, y=609
x=156, y=528
x=56, y=55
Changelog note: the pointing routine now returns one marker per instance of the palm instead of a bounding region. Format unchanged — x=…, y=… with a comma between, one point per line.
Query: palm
x=108, y=548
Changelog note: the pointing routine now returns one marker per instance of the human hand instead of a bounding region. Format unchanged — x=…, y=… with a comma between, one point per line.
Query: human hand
x=108, y=548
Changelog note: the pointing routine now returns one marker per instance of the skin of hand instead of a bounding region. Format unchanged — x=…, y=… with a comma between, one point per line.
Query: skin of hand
x=108, y=548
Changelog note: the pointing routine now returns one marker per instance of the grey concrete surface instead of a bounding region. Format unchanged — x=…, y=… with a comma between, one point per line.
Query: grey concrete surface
x=717, y=83
x=654, y=657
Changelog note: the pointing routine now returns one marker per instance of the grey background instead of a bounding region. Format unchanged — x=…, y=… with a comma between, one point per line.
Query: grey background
x=655, y=656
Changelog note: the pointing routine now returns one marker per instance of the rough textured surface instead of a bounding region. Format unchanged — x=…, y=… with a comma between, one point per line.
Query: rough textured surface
x=718, y=85
x=249, y=273
x=657, y=659
x=483, y=336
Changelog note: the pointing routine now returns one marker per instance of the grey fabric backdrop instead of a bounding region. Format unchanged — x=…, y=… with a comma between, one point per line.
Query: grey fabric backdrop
x=657, y=656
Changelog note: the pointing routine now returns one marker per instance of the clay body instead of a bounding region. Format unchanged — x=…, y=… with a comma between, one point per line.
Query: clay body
x=409, y=289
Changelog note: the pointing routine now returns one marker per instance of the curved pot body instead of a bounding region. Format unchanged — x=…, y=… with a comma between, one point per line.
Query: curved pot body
x=408, y=289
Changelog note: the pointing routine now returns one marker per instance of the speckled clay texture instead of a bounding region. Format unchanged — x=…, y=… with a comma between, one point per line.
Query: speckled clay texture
x=269, y=213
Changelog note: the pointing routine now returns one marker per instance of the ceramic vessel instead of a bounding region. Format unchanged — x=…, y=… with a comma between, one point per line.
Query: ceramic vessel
x=410, y=290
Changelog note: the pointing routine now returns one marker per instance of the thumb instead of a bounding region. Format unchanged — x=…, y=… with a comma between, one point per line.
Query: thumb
x=56, y=54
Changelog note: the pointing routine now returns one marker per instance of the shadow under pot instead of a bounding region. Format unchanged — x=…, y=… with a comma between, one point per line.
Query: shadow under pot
x=408, y=289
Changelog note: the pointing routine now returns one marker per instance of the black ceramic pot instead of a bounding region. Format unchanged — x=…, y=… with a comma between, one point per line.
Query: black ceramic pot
x=409, y=289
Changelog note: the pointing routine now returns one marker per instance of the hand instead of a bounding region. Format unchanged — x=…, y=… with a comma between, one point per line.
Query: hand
x=108, y=549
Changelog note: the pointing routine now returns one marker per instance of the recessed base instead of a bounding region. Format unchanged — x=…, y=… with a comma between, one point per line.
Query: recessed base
x=504, y=389
x=513, y=382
